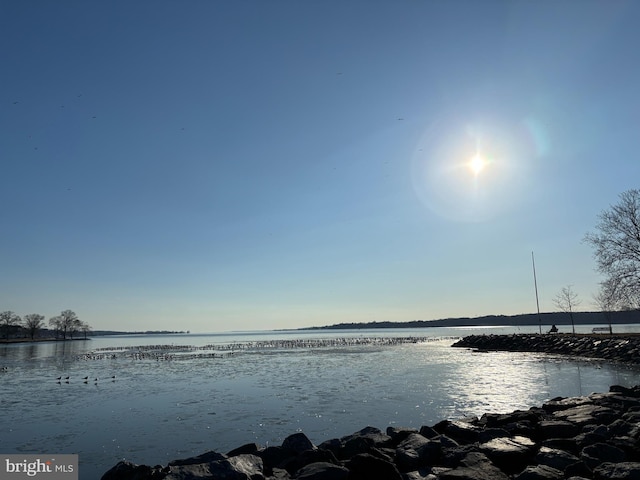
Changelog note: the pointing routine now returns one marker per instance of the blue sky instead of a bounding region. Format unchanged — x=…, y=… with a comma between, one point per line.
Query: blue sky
x=232, y=165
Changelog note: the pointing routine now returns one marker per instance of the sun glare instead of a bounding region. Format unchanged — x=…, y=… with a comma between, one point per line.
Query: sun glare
x=477, y=164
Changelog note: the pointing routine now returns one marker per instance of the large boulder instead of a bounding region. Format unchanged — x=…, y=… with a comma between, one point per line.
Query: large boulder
x=551, y=457
x=416, y=451
x=322, y=471
x=239, y=467
x=557, y=429
x=598, y=453
x=297, y=443
x=587, y=414
x=475, y=466
x=511, y=454
x=461, y=432
x=368, y=467
x=125, y=470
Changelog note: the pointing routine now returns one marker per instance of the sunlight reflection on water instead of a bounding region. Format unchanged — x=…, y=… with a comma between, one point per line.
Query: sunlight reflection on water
x=156, y=411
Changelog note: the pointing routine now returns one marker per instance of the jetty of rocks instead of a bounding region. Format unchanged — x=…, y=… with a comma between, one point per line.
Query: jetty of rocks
x=613, y=348
x=596, y=437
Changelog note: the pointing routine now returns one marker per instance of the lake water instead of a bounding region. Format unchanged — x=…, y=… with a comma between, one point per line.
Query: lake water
x=179, y=402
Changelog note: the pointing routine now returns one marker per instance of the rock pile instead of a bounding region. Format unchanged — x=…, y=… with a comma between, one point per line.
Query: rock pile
x=596, y=437
x=612, y=348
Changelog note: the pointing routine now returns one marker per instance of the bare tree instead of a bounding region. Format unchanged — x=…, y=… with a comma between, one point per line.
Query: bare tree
x=616, y=246
x=65, y=323
x=8, y=320
x=56, y=323
x=567, y=300
x=85, y=328
x=75, y=325
x=33, y=322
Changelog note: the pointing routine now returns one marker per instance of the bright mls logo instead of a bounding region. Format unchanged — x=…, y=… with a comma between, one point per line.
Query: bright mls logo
x=51, y=467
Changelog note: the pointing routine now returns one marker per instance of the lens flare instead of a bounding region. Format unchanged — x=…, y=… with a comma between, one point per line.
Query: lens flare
x=472, y=172
x=477, y=164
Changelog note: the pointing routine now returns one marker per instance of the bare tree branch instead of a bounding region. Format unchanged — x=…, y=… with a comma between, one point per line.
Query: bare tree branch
x=616, y=246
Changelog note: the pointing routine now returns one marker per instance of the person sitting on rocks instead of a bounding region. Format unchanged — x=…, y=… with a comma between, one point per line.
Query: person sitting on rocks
x=554, y=329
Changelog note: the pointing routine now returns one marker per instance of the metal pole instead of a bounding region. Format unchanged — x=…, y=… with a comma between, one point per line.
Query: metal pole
x=535, y=283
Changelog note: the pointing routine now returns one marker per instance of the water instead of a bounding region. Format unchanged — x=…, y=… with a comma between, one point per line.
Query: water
x=155, y=411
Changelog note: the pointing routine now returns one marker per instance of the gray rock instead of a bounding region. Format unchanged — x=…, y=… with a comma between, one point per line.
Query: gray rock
x=247, y=464
x=557, y=429
x=240, y=467
x=630, y=392
x=587, y=414
x=279, y=474
x=453, y=457
x=617, y=471
x=201, y=471
x=578, y=469
x=511, y=454
x=566, y=444
x=368, y=440
x=528, y=417
x=125, y=470
x=540, y=472
x=398, y=434
x=488, y=434
x=322, y=471
x=558, y=459
x=273, y=457
x=356, y=446
x=297, y=443
x=565, y=403
x=373, y=433
x=368, y=467
x=446, y=442
x=598, y=453
x=461, y=432
x=415, y=451
x=408, y=457
x=428, y=432
x=628, y=425
x=475, y=466
x=413, y=441
x=588, y=438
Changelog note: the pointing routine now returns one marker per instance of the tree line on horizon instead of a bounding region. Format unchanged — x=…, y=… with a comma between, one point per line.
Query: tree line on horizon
x=67, y=324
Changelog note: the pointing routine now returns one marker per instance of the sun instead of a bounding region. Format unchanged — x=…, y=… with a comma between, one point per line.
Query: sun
x=477, y=164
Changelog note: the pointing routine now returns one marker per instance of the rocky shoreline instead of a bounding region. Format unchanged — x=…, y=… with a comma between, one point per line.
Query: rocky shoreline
x=613, y=348
x=595, y=437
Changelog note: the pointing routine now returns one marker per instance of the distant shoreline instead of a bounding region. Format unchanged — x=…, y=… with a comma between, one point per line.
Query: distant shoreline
x=525, y=319
x=39, y=339
x=100, y=333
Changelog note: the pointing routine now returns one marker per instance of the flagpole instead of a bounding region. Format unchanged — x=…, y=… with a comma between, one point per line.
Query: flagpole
x=535, y=283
